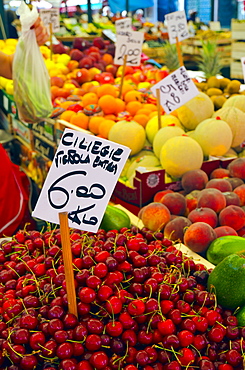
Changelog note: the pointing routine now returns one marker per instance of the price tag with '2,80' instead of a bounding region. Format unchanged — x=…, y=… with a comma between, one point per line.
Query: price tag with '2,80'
x=130, y=45
x=177, y=26
x=175, y=90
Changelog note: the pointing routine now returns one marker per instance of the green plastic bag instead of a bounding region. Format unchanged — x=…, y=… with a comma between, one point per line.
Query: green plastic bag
x=32, y=92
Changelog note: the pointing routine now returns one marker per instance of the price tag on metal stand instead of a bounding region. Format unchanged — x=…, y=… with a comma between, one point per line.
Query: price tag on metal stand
x=129, y=45
x=177, y=26
x=175, y=90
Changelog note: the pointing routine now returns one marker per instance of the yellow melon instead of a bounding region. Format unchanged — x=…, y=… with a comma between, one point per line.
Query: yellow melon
x=163, y=135
x=237, y=101
x=236, y=120
x=214, y=136
x=130, y=134
x=151, y=127
x=195, y=111
x=181, y=154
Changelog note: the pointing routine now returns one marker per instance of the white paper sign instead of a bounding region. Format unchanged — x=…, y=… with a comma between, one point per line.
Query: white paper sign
x=123, y=25
x=51, y=16
x=175, y=90
x=243, y=67
x=130, y=45
x=81, y=180
x=177, y=26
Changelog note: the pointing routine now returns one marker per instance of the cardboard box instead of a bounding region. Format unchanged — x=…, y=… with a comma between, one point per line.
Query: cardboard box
x=146, y=185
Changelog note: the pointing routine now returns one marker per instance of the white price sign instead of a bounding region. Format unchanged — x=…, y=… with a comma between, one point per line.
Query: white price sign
x=81, y=180
x=177, y=26
x=243, y=67
x=51, y=16
x=175, y=90
x=130, y=45
x=123, y=25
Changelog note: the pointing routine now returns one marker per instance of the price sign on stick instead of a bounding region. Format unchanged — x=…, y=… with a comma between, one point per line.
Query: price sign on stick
x=51, y=16
x=81, y=179
x=175, y=90
x=123, y=25
x=177, y=26
x=130, y=45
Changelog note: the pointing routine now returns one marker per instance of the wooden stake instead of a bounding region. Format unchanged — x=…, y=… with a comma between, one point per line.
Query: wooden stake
x=122, y=77
x=67, y=257
x=180, y=57
x=51, y=40
x=158, y=109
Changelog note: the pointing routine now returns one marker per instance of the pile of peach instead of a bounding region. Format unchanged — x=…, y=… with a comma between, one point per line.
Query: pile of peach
x=206, y=208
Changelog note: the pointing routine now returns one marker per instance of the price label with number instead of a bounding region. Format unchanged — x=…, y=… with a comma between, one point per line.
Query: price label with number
x=51, y=16
x=130, y=45
x=123, y=25
x=177, y=26
x=81, y=180
x=175, y=90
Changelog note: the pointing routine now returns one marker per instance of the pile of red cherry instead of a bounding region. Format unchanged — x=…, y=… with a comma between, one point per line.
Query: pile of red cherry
x=142, y=305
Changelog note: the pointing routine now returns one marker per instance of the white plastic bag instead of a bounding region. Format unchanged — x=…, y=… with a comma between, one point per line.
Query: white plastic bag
x=31, y=80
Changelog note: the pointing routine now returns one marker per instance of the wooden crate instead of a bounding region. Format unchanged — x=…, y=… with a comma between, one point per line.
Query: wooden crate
x=193, y=46
x=236, y=70
x=238, y=50
x=237, y=30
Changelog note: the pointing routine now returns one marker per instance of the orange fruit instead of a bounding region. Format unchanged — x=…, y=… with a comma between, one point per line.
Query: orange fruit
x=110, y=116
x=127, y=87
x=153, y=114
x=87, y=85
x=120, y=105
x=108, y=58
x=145, y=111
x=105, y=127
x=94, y=123
x=142, y=119
x=107, y=104
x=89, y=98
x=107, y=89
x=79, y=91
x=66, y=104
x=133, y=106
x=54, y=91
x=67, y=115
x=80, y=120
x=150, y=106
x=133, y=96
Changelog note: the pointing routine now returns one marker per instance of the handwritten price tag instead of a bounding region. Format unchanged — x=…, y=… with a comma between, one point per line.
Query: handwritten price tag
x=177, y=26
x=130, y=45
x=123, y=25
x=51, y=16
x=175, y=90
x=81, y=180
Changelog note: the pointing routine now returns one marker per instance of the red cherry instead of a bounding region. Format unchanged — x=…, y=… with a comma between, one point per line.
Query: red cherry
x=87, y=295
x=136, y=307
x=99, y=360
x=166, y=327
x=185, y=356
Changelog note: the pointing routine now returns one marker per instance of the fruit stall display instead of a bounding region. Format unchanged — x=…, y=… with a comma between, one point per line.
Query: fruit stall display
x=143, y=303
